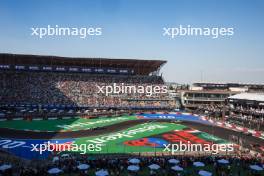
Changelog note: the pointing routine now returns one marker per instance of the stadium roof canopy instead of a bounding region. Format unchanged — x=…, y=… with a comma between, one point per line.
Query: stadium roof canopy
x=213, y=85
x=248, y=96
x=141, y=67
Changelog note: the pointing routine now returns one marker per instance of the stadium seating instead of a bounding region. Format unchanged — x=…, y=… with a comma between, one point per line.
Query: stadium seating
x=244, y=116
x=59, y=91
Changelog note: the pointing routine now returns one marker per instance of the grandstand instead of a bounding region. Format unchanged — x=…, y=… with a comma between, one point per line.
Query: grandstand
x=213, y=93
x=236, y=104
x=247, y=109
x=243, y=109
x=36, y=84
x=194, y=98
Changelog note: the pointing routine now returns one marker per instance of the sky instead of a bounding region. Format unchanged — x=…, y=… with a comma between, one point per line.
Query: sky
x=134, y=29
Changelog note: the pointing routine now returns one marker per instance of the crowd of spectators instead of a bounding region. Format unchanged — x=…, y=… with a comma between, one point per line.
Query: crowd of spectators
x=77, y=89
x=118, y=165
x=245, y=116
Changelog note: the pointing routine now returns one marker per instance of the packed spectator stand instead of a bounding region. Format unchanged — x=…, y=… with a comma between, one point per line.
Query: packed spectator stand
x=252, y=118
x=28, y=88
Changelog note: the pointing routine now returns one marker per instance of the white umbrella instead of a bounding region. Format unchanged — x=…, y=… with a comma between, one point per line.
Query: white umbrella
x=177, y=168
x=133, y=168
x=101, y=173
x=198, y=164
x=256, y=167
x=54, y=171
x=83, y=166
x=204, y=173
x=134, y=161
x=5, y=167
x=174, y=161
x=223, y=161
x=154, y=166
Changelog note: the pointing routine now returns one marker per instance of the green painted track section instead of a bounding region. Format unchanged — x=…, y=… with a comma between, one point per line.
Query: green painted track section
x=113, y=143
x=74, y=124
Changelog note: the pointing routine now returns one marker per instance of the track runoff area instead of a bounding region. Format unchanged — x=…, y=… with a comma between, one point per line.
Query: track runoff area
x=145, y=134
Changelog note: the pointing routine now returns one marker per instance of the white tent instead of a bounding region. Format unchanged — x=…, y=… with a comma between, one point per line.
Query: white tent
x=134, y=161
x=154, y=166
x=173, y=161
x=102, y=173
x=133, y=168
x=223, y=161
x=205, y=173
x=5, y=167
x=198, y=164
x=256, y=167
x=54, y=171
x=83, y=166
x=177, y=168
